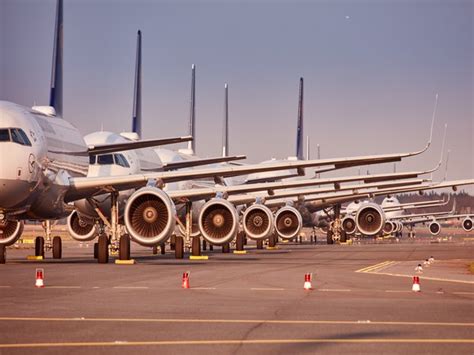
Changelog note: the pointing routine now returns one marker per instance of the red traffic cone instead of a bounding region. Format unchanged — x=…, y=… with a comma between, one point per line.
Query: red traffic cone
x=186, y=280
x=416, y=284
x=307, y=281
x=39, y=278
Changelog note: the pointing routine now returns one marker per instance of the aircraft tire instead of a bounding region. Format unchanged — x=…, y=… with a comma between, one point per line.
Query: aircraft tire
x=329, y=237
x=124, y=247
x=155, y=249
x=204, y=244
x=179, y=248
x=162, y=248
x=240, y=242
x=103, y=249
x=196, y=246
x=343, y=237
x=260, y=244
x=96, y=250
x=3, y=254
x=57, y=247
x=39, y=246
x=226, y=248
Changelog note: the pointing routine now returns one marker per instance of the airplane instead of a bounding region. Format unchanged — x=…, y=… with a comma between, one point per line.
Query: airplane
x=50, y=160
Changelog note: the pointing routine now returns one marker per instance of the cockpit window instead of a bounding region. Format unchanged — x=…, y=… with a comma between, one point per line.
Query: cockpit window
x=18, y=136
x=120, y=160
x=24, y=136
x=106, y=159
x=4, y=135
x=92, y=159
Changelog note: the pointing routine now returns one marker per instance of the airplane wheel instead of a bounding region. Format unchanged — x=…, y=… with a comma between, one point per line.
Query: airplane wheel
x=329, y=237
x=179, y=248
x=260, y=244
x=204, y=244
x=124, y=247
x=163, y=248
x=96, y=250
x=103, y=249
x=196, y=246
x=39, y=246
x=3, y=254
x=57, y=248
x=240, y=241
x=211, y=247
x=343, y=237
x=155, y=249
x=173, y=242
x=272, y=241
x=226, y=248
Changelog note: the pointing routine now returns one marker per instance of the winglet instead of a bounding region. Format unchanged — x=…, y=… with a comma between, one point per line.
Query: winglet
x=192, y=115
x=137, y=93
x=225, y=132
x=299, y=128
x=442, y=152
x=56, y=89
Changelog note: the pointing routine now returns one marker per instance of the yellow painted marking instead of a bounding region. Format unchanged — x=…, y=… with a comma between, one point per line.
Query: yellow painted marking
x=397, y=291
x=33, y=257
x=125, y=262
x=235, y=342
x=335, y=290
x=373, y=267
x=424, y=278
x=467, y=239
x=240, y=251
x=64, y=287
x=237, y=321
x=273, y=248
x=201, y=257
x=27, y=241
x=132, y=287
x=267, y=289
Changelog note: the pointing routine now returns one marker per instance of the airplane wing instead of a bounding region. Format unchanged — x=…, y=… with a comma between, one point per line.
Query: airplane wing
x=131, y=145
x=437, y=218
x=198, y=162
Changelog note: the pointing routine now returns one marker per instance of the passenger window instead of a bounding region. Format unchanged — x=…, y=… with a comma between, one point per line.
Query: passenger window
x=92, y=159
x=26, y=140
x=106, y=159
x=4, y=135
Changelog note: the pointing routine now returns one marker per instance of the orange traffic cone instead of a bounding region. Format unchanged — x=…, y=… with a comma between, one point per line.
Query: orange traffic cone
x=307, y=282
x=39, y=278
x=186, y=280
x=416, y=284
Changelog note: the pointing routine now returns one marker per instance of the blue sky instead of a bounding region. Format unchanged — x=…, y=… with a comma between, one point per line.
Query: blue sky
x=371, y=71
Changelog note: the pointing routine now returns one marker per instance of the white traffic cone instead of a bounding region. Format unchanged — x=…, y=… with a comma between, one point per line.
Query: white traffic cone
x=307, y=282
x=419, y=268
x=39, y=278
x=416, y=284
x=431, y=260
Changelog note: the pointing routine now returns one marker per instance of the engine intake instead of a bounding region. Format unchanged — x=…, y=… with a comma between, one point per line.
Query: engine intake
x=434, y=227
x=150, y=216
x=349, y=225
x=288, y=222
x=80, y=228
x=10, y=232
x=258, y=222
x=218, y=221
x=389, y=227
x=467, y=224
x=370, y=219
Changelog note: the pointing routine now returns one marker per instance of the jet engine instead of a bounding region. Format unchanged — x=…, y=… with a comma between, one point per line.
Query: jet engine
x=389, y=227
x=80, y=228
x=370, y=219
x=434, y=227
x=399, y=227
x=218, y=221
x=10, y=232
x=150, y=216
x=288, y=222
x=349, y=225
x=467, y=224
x=258, y=222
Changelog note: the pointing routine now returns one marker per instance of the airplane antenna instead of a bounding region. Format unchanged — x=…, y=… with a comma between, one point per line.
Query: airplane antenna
x=192, y=116
x=56, y=88
x=137, y=93
x=225, y=133
x=299, y=128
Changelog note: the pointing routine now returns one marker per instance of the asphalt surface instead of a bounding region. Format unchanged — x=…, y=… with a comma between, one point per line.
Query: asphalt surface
x=254, y=303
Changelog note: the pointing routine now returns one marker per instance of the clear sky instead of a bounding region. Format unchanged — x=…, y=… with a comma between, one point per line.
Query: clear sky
x=371, y=71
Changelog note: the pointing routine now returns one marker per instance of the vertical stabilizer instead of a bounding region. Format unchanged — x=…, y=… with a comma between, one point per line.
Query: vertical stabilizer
x=192, y=115
x=225, y=132
x=299, y=129
x=137, y=91
x=56, y=90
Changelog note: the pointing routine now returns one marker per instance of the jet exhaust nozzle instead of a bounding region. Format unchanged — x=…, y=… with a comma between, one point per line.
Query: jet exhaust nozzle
x=80, y=228
x=288, y=222
x=150, y=216
x=10, y=232
x=218, y=221
x=370, y=219
x=258, y=222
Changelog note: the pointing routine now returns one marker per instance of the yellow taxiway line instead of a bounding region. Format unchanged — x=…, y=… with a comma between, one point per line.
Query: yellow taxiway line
x=235, y=342
x=378, y=266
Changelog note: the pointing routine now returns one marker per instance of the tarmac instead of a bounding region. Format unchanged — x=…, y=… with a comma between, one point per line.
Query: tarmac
x=361, y=302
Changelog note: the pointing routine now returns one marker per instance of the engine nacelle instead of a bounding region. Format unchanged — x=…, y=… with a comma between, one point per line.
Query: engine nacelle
x=370, y=219
x=399, y=227
x=258, y=222
x=288, y=222
x=80, y=228
x=467, y=224
x=434, y=227
x=389, y=227
x=10, y=232
x=218, y=221
x=150, y=216
x=349, y=225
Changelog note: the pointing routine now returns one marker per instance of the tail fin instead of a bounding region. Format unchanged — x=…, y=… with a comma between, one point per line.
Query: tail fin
x=56, y=89
x=192, y=116
x=137, y=93
x=225, y=132
x=299, y=129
